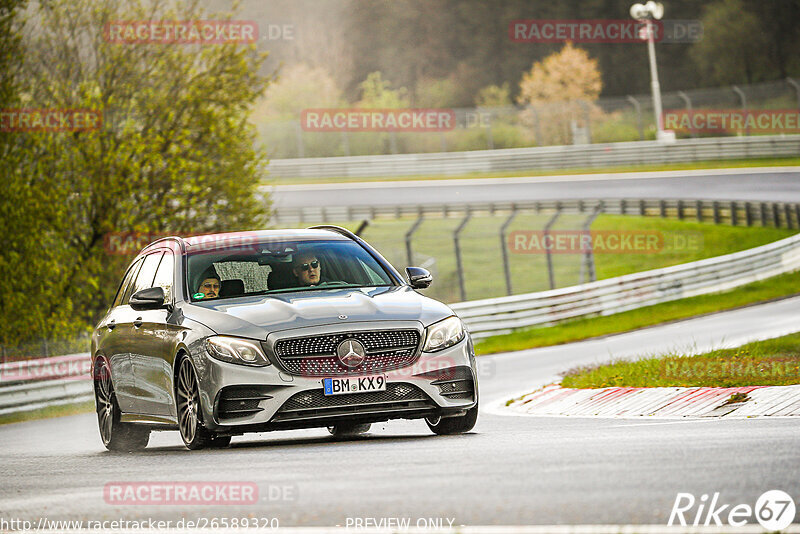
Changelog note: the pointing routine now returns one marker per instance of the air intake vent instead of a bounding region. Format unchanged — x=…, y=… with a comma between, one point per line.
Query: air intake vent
x=454, y=383
x=240, y=401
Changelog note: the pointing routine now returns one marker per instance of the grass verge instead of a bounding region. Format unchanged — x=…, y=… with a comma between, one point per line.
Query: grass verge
x=579, y=329
x=712, y=164
x=52, y=411
x=774, y=362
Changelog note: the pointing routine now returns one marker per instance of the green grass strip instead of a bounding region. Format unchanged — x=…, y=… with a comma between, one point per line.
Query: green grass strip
x=774, y=362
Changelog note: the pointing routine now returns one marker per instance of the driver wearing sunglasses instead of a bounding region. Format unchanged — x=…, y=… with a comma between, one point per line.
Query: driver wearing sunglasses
x=307, y=269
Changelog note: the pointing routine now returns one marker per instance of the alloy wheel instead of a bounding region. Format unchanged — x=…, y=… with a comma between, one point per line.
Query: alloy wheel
x=188, y=401
x=105, y=401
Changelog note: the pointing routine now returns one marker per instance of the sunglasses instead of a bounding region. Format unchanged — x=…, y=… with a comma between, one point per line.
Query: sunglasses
x=313, y=265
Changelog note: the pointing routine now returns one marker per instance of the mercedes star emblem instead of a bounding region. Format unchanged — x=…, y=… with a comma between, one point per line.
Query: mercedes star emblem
x=351, y=353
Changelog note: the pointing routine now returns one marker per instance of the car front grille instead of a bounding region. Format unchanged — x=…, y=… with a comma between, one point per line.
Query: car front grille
x=316, y=355
x=315, y=404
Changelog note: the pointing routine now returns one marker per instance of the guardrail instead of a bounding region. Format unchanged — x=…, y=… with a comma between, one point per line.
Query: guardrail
x=613, y=295
x=547, y=157
x=34, y=384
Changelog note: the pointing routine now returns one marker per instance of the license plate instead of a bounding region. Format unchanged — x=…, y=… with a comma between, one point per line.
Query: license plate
x=354, y=384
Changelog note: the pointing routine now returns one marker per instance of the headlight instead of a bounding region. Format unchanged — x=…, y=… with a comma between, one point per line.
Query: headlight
x=235, y=350
x=443, y=334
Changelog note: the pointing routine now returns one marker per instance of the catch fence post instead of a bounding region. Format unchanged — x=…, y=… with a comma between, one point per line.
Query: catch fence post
x=550, y=223
x=504, y=248
x=457, y=245
x=409, y=234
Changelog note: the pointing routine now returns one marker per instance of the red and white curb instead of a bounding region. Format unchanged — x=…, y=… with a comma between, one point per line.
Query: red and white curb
x=673, y=402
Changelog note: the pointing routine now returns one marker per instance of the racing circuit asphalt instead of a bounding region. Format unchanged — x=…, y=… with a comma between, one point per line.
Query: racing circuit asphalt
x=509, y=470
x=757, y=185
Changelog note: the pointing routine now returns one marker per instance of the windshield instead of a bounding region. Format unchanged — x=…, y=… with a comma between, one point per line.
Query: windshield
x=281, y=266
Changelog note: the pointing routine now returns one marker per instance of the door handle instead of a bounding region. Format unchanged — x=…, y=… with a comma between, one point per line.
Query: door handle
x=138, y=322
x=111, y=324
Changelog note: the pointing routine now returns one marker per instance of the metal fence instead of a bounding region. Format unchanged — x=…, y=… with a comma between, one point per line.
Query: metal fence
x=551, y=157
x=605, y=120
x=403, y=247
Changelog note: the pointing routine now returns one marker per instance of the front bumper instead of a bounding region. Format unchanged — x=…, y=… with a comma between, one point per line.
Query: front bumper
x=237, y=398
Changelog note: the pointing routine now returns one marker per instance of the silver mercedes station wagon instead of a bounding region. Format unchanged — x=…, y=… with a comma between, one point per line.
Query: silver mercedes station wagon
x=224, y=334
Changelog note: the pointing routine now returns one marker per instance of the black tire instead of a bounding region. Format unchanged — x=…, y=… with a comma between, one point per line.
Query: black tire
x=116, y=435
x=190, y=415
x=348, y=430
x=453, y=425
x=220, y=442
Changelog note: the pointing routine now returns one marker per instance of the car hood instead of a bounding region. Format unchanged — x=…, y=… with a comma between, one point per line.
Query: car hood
x=256, y=317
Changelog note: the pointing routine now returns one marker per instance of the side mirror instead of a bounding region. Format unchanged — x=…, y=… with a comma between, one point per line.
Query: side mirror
x=418, y=277
x=151, y=298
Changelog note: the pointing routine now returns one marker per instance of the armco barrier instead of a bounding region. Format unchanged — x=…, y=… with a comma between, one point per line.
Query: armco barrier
x=62, y=380
x=547, y=157
x=613, y=295
x=42, y=394
x=32, y=384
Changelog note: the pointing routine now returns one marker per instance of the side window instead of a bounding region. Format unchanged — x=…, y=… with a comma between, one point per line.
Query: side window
x=126, y=284
x=146, y=274
x=164, y=275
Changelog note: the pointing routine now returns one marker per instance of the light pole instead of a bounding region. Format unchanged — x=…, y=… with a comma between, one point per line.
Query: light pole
x=649, y=12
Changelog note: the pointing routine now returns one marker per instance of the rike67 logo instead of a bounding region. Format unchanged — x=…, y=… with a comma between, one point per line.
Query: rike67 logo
x=774, y=510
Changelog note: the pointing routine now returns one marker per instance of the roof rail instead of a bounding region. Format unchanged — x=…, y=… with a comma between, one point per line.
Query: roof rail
x=338, y=229
x=175, y=237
